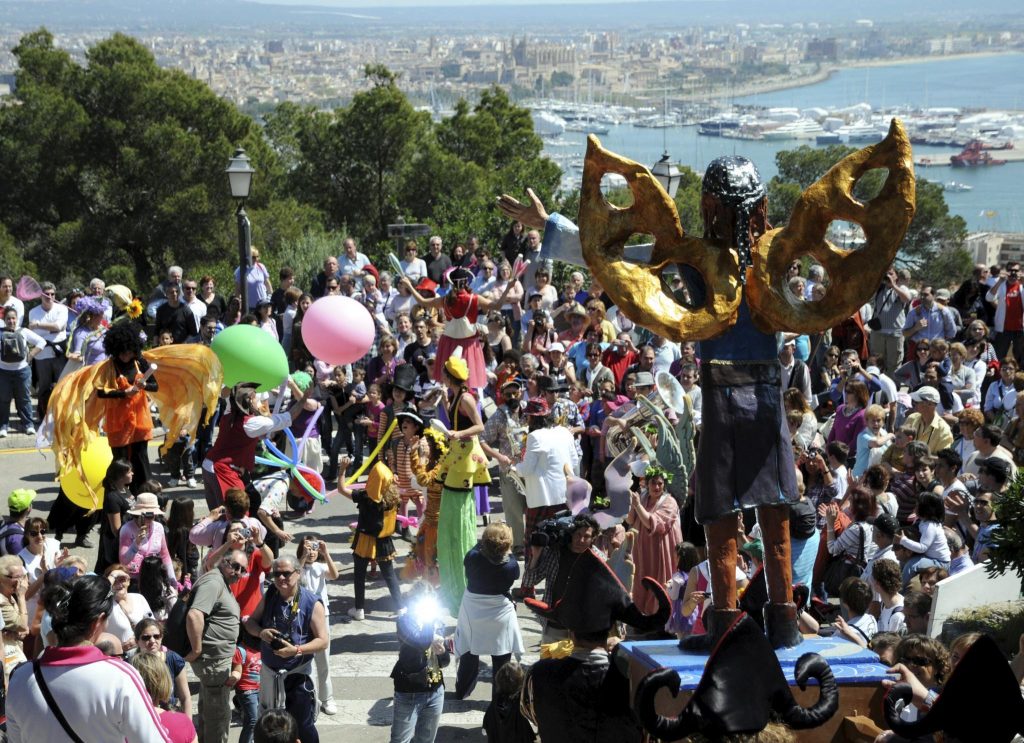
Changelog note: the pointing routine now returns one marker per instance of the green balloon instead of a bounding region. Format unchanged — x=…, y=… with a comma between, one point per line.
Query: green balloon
x=249, y=354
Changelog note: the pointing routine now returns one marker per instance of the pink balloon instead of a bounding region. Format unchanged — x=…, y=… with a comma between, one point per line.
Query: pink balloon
x=338, y=330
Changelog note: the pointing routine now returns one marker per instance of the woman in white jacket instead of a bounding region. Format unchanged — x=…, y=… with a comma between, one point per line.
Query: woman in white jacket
x=550, y=457
x=101, y=699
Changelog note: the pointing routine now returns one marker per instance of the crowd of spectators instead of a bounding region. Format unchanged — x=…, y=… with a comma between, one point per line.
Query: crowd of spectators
x=905, y=426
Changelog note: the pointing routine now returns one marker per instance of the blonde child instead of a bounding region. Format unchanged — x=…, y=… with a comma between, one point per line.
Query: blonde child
x=872, y=441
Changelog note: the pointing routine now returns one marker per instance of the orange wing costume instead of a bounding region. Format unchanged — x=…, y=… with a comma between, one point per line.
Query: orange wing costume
x=190, y=377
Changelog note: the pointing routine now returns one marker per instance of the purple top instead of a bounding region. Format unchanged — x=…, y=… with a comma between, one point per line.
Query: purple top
x=847, y=428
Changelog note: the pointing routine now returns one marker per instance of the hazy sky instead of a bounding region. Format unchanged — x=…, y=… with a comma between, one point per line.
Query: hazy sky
x=395, y=3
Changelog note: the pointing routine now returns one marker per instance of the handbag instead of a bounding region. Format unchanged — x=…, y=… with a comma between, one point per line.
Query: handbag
x=52, y=703
x=839, y=568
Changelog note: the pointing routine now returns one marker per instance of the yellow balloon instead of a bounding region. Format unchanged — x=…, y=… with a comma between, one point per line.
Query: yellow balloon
x=96, y=458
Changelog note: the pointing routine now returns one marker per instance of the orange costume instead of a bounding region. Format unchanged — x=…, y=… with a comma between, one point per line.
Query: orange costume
x=94, y=397
x=126, y=418
x=422, y=561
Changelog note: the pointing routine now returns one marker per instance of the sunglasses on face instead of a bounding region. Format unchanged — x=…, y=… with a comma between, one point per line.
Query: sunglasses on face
x=238, y=567
x=150, y=638
x=119, y=578
x=923, y=349
x=286, y=574
x=37, y=533
x=916, y=660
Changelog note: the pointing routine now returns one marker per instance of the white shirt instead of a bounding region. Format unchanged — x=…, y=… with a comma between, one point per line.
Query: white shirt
x=664, y=355
x=866, y=624
x=18, y=305
x=32, y=339
x=314, y=578
x=34, y=568
x=122, y=625
x=103, y=701
x=548, y=450
x=58, y=315
x=199, y=308
x=273, y=490
x=348, y=266
x=892, y=619
x=415, y=269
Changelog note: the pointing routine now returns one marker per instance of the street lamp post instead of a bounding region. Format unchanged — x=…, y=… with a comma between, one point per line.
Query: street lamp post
x=667, y=174
x=240, y=172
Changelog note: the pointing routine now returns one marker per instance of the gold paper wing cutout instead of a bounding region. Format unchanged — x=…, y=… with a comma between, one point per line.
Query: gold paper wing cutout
x=855, y=274
x=635, y=288
x=190, y=377
x=73, y=416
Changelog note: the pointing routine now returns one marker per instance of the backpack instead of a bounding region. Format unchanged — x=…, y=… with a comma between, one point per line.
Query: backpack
x=175, y=632
x=6, y=530
x=13, y=347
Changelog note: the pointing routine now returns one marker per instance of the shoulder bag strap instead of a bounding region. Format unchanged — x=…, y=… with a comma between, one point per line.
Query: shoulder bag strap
x=52, y=703
x=860, y=547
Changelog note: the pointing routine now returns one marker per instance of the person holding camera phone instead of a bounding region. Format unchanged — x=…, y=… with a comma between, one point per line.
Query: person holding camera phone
x=317, y=568
x=244, y=538
x=291, y=622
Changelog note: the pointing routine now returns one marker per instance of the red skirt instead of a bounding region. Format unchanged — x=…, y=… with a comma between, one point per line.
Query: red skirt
x=472, y=353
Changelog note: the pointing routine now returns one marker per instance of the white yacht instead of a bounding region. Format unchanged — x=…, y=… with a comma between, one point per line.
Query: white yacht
x=801, y=129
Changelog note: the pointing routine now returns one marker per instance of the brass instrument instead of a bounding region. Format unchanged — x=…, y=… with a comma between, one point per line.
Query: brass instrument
x=668, y=394
x=516, y=435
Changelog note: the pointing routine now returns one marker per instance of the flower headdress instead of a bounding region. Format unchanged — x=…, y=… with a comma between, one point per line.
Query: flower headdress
x=656, y=471
x=439, y=440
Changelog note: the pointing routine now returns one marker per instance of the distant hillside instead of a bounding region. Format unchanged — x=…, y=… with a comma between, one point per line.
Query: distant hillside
x=341, y=15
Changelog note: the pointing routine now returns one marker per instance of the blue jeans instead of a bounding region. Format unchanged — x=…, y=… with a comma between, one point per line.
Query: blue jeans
x=917, y=563
x=417, y=715
x=14, y=385
x=250, y=712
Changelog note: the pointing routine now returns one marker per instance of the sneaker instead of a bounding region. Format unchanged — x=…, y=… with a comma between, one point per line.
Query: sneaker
x=30, y=431
x=182, y=482
x=191, y=482
x=3, y=432
x=329, y=707
x=357, y=614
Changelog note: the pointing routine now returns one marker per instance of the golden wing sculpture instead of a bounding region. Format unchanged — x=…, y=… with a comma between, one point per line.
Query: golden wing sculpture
x=855, y=274
x=637, y=289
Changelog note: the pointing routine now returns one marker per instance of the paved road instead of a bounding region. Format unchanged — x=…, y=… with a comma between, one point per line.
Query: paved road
x=362, y=653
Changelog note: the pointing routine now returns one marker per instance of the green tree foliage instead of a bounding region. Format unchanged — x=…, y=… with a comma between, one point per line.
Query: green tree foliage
x=119, y=161
x=933, y=246
x=377, y=159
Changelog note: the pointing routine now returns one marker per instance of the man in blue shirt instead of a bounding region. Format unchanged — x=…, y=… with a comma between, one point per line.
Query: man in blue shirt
x=928, y=320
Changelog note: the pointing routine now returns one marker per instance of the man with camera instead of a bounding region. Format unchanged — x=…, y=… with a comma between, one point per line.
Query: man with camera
x=244, y=538
x=292, y=626
x=554, y=547
x=212, y=627
x=888, y=316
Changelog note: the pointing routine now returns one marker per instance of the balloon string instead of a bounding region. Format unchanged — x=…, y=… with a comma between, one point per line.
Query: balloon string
x=373, y=455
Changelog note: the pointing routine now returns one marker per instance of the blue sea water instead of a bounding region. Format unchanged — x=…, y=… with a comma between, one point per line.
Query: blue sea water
x=997, y=82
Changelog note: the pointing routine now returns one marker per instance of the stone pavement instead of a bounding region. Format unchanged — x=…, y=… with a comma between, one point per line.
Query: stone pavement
x=362, y=653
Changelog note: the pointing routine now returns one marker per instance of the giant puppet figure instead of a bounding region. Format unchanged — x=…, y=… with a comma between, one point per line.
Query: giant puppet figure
x=737, y=302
